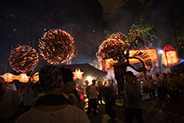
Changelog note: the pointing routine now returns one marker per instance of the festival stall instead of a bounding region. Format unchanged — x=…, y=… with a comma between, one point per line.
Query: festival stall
x=178, y=68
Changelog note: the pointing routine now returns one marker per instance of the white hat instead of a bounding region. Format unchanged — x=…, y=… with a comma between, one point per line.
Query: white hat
x=2, y=80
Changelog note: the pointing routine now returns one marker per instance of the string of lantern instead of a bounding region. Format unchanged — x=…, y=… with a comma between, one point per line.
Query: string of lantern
x=9, y=77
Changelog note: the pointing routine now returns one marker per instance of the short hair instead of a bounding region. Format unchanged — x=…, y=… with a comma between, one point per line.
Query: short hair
x=67, y=74
x=130, y=73
x=157, y=75
x=93, y=81
x=50, y=77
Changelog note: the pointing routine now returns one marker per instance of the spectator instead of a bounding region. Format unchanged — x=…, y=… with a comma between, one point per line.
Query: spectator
x=164, y=81
x=182, y=88
x=29, y=95
x=69, y=90
x=173, y=87
x=11, y=104
x=99, y=84
x=53, y=107
x=151, y=87
x=108, y=96
x=145, y=84
x=113, y=87
x=86, y=87
x=132, y=99
x=74, y=98
x=92, y=90
x=159, y=87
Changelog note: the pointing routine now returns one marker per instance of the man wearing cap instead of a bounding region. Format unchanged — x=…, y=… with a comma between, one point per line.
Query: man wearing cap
x=53, y=107
x=11, y=104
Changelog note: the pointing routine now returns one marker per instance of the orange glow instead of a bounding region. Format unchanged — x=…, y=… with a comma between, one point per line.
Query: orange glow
x=36, y=77
x=169, y=58
x=8, y=77
x=152, y=54
x=23, y=78
x=77, y=74
x=107, y=63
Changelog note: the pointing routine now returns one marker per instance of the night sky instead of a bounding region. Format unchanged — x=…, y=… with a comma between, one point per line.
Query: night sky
x=110, y=5
x=89, y=22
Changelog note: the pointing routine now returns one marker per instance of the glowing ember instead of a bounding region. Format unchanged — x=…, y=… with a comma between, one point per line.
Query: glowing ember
x=56, y=46
x=77, y=74
x=118, y=44
x=112, y=46
x=23, y=59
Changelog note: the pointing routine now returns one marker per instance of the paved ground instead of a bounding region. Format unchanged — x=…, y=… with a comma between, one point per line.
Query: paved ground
x=154, y=111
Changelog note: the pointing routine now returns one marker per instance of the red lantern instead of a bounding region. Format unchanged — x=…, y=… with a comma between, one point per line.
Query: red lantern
x=169, y=56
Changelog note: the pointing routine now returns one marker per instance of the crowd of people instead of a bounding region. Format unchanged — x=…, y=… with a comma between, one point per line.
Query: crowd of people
x=56, y=101
x=166, y=86
x=56, y=97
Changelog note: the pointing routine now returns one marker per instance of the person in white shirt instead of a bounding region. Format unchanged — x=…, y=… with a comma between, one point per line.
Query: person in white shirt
x=53, y=107
x=92, y=90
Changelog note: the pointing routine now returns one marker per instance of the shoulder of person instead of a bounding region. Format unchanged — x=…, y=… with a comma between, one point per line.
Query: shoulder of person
x=88, y=87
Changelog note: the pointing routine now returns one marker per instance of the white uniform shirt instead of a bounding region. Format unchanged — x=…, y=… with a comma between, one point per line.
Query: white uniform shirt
x=93, y=92
x=70, y=114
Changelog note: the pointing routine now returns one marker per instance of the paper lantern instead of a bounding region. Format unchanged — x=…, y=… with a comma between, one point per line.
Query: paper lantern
x=8, y=77
x=169, y=56
x=77, y=74
x=23, y=78
x=36, y=77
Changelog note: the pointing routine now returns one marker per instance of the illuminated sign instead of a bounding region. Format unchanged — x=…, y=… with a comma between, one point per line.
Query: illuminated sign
x=169, y=56
x=151, y=53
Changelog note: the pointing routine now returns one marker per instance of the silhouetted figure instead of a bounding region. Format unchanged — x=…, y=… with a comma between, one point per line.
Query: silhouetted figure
x=132, y=99
x=11, y=104
x=108, y=96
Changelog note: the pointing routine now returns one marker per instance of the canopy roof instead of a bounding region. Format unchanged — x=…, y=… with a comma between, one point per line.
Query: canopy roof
x=88, y=70
x=178, y=68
